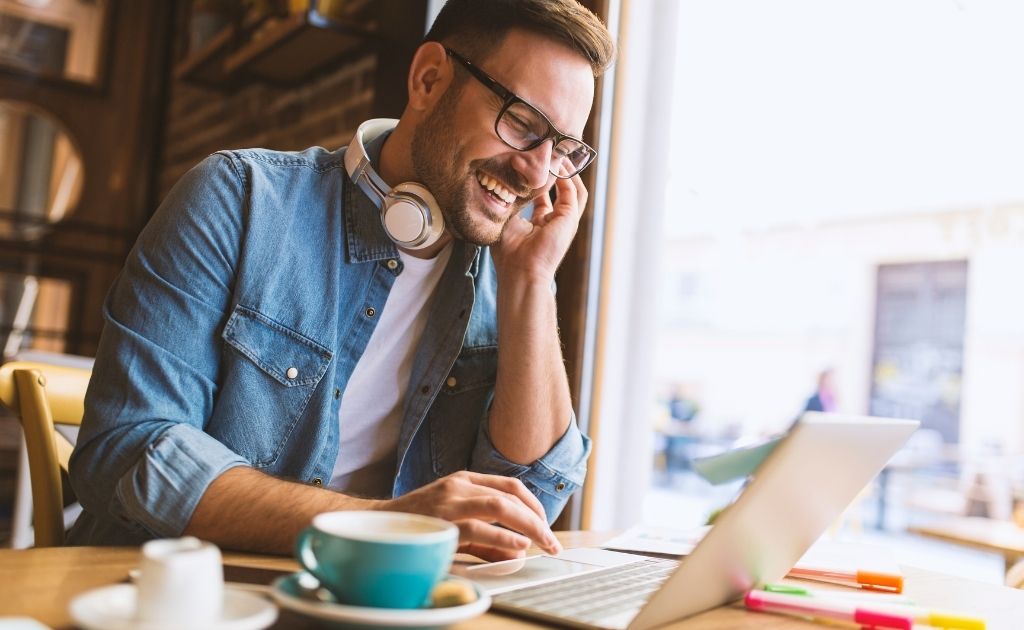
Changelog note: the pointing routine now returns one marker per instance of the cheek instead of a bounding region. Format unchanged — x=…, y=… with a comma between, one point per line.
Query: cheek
x=485, y=147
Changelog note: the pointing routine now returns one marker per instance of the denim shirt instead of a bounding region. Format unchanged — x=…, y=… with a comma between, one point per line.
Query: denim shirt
x=233, y=329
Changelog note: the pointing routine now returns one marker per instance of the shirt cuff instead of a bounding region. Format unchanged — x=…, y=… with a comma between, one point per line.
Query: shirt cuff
x=552, y=478
x=162, y=490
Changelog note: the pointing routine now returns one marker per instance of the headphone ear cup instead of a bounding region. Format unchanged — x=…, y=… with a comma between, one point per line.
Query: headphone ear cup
x=411, y=216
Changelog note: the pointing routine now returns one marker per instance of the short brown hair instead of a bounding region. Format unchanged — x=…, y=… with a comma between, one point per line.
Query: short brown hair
x=476, y=28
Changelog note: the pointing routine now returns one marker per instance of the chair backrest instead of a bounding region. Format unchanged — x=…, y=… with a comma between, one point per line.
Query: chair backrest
x=42, y=396
x=1015, y=575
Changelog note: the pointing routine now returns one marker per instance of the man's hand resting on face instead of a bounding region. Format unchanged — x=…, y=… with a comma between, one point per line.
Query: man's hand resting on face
x=533, y=249
x=489, y=510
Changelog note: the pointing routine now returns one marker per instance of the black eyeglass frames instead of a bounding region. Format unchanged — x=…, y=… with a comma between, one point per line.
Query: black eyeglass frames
x=523, y=127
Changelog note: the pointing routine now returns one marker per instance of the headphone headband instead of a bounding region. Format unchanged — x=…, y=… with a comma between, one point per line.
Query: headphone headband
x=357, y=161
x=408, y=212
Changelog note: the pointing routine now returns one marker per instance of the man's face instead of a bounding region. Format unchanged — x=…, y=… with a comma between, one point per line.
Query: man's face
x=478, y=180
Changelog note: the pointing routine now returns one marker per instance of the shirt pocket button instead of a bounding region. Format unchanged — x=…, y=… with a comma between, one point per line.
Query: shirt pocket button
x=291, y=373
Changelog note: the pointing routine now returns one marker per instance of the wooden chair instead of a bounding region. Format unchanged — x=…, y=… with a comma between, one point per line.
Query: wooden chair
x=44, y=395
x=1015, y=575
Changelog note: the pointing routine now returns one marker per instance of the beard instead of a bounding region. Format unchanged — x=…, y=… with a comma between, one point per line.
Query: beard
x=436, y=156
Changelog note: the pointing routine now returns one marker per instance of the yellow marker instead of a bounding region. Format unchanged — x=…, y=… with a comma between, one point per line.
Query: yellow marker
x=891, y=604
x=947, y=620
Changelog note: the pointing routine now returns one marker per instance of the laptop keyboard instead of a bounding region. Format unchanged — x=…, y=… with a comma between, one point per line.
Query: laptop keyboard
x=592, y=597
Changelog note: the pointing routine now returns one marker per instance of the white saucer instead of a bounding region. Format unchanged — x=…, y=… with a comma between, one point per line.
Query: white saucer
x=113, y=608
x=285, y=591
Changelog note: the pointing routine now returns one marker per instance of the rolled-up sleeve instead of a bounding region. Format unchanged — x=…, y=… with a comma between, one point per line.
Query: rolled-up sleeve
x=552, y=478
x=142, y=459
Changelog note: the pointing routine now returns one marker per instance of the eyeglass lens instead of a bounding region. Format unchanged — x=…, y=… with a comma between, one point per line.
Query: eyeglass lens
x=523, y=127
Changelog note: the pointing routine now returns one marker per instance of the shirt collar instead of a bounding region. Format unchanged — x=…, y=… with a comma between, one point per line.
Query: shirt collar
x=365, y=236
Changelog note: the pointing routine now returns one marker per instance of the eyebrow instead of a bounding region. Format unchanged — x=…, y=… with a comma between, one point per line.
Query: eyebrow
x=491, y=83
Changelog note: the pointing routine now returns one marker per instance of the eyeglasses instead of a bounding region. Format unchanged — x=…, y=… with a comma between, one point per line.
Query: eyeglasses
x=523, y=127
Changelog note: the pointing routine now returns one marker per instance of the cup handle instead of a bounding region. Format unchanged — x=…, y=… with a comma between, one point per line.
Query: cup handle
x=304, y=550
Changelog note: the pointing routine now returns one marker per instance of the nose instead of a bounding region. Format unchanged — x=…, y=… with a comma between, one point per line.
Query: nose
x=535, y=165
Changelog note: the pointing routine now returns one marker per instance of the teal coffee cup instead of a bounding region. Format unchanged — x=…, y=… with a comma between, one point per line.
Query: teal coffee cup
x=381, y=559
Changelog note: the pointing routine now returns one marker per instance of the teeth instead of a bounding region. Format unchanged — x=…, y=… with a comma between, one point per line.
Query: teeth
x=492, y=185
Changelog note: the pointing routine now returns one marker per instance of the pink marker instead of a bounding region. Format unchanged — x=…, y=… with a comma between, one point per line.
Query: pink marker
x=797, y=605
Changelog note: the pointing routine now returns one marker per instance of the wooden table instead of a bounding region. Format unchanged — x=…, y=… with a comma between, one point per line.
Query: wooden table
x=39, y=583
x=1002, y=537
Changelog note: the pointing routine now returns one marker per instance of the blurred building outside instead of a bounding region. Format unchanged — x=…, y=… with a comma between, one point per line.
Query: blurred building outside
x=748, y=322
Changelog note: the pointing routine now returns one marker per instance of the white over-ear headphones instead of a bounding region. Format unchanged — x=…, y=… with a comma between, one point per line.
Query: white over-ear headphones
x=409, y=213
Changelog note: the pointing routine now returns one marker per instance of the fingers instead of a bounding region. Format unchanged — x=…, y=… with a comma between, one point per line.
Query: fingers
x=507, y=511
x=517, y=227
x=570, y=199
x=476, y=533
x=491, y=554
x=542, y=203
x=541, y=209
x=572, y=189
x=492, y=511
x=582, y=194
x=504, y=501
x=510, y=485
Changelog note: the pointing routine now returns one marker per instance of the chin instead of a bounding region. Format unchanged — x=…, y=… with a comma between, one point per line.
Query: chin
x=483, y=233
x=470, y=219
x=484, y=237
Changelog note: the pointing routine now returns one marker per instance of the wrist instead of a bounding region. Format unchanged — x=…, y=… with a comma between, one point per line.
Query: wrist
x=537, y=294
x=519, y=279
x=529, y=271
x=382, y=505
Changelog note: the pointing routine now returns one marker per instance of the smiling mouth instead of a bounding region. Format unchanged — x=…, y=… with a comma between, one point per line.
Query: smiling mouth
x=495, y=189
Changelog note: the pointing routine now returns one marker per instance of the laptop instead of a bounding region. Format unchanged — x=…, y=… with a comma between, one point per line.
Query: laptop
x=799, y=489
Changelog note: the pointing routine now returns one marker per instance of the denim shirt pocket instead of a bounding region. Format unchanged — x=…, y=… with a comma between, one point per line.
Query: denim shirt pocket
x=273, y=380
x=461, y=406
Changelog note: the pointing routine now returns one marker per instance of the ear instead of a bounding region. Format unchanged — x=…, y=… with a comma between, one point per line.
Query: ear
x=430, y=74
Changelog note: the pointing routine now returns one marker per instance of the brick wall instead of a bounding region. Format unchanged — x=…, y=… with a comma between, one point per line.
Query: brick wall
x=325, y=111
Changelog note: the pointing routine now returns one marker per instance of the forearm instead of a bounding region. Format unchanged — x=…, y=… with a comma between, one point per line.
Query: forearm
x=532, y=407
x=247, y=510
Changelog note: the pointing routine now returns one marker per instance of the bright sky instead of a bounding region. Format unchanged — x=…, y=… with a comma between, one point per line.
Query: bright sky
x=798, y=110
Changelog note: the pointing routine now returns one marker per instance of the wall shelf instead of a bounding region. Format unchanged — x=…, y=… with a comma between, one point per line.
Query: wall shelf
x=283, y=50
x=206, y=65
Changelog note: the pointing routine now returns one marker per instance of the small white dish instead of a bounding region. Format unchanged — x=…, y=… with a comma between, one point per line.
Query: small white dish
x=296, y=592
x=113, y=608
x=259, y=589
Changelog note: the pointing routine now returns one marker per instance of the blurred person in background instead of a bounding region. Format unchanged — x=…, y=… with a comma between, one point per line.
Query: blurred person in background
x=824, y=396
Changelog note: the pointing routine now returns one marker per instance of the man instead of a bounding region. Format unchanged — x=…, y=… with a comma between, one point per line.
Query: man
x=267, y=337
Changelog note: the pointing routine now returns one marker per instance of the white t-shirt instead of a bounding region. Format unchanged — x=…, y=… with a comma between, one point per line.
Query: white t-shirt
x=370, y=416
